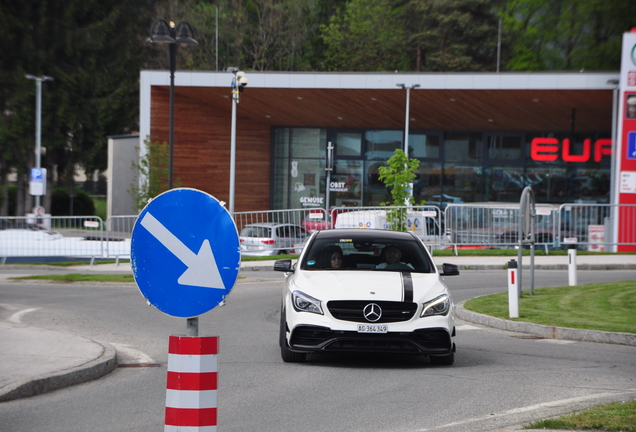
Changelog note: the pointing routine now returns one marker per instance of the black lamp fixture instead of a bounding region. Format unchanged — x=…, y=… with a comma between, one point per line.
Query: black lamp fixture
x=162, y=31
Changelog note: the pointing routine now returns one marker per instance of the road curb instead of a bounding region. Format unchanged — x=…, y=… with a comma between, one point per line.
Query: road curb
x=96, y=368
x=543, y=331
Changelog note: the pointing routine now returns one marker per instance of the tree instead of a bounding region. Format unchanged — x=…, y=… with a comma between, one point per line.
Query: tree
x=153, y=174
x=454, y=35
x=567, y=34
x=366, y=36
x=94, y=51
x=398, y=176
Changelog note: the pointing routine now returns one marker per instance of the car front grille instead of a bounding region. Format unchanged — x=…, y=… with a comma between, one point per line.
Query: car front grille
x=353, y=310
x=420, y=341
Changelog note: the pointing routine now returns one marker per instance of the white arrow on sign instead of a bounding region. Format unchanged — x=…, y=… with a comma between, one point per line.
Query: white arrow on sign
x=202, y=269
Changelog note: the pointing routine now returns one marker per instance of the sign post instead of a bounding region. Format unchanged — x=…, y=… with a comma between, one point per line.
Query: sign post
x=185, y=259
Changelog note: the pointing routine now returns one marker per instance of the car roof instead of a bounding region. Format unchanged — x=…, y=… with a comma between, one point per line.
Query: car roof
x=375, y=234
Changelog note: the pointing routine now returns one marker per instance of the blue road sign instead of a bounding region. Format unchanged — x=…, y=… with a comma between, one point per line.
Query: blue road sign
x=37, y=175
x=631, y=145
x=185, y=252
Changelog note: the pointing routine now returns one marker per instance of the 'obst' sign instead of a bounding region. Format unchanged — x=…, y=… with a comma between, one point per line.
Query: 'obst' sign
x=185, y=252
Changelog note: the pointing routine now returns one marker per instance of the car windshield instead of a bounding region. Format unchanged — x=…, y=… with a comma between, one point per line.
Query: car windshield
x=364, y=253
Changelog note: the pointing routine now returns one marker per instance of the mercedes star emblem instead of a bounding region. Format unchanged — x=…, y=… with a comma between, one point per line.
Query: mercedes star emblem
x=372, y=312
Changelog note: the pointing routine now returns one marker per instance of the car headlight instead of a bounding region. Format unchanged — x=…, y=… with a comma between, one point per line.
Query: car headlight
x=438, y=306
x=304, y=303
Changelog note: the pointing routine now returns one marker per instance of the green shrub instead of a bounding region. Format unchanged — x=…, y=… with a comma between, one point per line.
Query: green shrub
x=82, y=204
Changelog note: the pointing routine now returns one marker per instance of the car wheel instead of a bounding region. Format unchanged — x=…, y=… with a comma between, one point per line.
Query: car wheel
x=446, y=360
x=288, y=355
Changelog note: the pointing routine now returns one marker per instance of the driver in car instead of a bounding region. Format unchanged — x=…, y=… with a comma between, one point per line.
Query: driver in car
x=392, y=255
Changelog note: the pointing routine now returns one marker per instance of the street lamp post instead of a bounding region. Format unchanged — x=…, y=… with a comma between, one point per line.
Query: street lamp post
x=406, y=124
x=170, y=33
x=238, y=85
x=408, y=109
x=38, y=122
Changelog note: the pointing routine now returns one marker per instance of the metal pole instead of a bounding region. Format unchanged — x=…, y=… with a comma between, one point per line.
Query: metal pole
x=499, y=46
x=613, y=196
x=328, y=168
x=406, y=122
x=173, y=60
x=217, y=37
x=38, y=129
x=233, y=152
x=192, y=327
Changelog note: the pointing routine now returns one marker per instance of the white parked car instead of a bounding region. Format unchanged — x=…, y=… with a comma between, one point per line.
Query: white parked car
x=270, y=238
x=367, y=300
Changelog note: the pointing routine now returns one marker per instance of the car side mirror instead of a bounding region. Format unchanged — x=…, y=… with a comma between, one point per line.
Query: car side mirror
x=449, y=270
x=284, y=265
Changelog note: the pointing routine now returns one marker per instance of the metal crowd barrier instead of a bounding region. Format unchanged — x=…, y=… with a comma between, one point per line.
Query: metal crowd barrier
x=118, y=236
x=491, y=225
x=589, y=226
x=497, y=225
x=83, y=237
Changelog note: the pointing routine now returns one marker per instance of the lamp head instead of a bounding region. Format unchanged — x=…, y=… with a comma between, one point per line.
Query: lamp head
x=161, y=34
x=185, y=30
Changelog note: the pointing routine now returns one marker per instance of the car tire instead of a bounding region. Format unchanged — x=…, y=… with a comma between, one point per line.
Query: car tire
x=286, y=354
x=446, y=360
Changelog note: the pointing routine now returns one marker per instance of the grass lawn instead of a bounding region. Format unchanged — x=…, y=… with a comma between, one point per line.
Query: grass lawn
x=615, y=416
x=603, y=306
x=76, y=277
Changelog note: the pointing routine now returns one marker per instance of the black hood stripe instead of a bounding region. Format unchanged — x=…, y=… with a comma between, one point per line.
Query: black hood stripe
x=407, y=283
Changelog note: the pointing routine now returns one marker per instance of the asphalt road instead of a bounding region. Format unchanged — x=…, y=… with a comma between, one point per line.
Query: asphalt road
x=499, y=378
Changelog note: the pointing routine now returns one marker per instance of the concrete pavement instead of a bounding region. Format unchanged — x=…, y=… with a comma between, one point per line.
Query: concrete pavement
x=35, y=360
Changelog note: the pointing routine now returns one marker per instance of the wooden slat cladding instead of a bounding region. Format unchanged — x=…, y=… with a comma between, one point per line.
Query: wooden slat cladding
x=501, y=110
x=203, y=123
x=202, y=135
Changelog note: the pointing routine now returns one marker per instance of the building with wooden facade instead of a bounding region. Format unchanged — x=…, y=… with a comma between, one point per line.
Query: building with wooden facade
x=478, y=136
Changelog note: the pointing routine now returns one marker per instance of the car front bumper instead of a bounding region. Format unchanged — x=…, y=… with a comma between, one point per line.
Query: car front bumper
x=428, y=341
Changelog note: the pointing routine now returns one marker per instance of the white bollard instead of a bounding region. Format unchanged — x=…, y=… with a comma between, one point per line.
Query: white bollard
x=191, y=401
x=572, y=265
x=513, y=293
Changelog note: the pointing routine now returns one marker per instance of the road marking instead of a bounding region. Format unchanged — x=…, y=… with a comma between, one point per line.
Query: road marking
x=17, y=317
x=467, y=327
x=514, y=411
x=556, y=341
x=202, y=269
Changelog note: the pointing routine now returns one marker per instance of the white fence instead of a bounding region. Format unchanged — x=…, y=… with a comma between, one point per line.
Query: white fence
x=589, y=226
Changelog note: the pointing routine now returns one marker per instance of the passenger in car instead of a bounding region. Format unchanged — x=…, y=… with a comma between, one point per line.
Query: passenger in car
x=392, y=255
x=331, y=257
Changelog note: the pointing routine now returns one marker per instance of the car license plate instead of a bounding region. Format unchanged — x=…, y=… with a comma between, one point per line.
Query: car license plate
x=373, y=328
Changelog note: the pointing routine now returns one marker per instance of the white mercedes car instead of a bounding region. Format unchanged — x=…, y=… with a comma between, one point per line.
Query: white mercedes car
x=361, y=290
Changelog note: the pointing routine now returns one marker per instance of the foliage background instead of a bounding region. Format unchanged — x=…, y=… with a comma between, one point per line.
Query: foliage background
x=94, y=50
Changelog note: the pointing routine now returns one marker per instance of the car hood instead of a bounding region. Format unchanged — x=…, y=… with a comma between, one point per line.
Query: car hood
x=365, y=285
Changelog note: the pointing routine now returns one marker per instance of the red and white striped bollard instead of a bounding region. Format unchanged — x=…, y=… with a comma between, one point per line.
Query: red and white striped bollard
x=191, y=390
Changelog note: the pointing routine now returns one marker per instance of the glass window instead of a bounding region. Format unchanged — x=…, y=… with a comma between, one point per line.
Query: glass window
x=424, y=145
x=462, y=183
x=345, y=187
x=382, y=144
x=504, y=183
x=375, y=192
x=298, y=167
x=427, y=182
x=504, y=147
x=307, y=143
x=463, y=146
x=348, y=144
